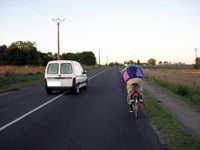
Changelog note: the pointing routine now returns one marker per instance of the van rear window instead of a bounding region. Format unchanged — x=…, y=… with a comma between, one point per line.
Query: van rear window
x=52, y=69
x=66, y=68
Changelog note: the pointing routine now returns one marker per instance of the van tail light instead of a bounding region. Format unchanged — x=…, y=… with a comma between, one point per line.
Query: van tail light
x=73, y=81
x=45, y=81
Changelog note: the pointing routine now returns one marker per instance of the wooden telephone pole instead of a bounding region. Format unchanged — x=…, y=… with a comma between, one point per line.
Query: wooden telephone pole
x=58, y=21
x=196, y=52
x=99, y=57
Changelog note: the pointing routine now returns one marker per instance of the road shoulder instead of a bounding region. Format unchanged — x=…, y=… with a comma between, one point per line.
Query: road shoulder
x=186, y=114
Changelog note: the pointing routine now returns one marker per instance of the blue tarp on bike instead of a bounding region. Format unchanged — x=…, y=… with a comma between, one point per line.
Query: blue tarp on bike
x=131, y=71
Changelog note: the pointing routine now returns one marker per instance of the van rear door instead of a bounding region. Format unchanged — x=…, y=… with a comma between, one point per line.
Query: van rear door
x=66, y=74
x=52, y=72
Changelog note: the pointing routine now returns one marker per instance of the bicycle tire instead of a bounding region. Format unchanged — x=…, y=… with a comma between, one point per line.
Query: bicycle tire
x=136, y=113
x=136, y=108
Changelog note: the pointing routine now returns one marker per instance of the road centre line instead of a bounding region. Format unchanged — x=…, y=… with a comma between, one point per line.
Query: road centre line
x=41, y=106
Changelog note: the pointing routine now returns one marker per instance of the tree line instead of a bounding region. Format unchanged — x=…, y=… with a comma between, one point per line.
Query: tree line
x=152, y=61
x=26, y=53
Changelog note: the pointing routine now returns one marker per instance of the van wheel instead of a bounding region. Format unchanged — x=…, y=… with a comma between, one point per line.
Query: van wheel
x=49, y=92
x=86, y=84
x=76, y=90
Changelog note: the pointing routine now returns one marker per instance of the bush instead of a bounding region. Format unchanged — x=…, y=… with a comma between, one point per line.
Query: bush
x=182, y=90
x=197, y=65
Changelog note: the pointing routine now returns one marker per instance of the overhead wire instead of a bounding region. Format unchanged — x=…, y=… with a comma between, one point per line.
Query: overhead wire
x=38, y=9
x=43, y=7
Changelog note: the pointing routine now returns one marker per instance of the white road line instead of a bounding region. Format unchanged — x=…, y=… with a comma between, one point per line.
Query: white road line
x=41, y=106
x=97, y=75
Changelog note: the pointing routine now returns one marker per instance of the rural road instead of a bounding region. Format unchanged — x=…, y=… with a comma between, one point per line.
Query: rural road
x=96, y=119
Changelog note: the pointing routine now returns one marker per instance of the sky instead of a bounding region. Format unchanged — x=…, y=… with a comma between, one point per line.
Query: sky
x=166, y=30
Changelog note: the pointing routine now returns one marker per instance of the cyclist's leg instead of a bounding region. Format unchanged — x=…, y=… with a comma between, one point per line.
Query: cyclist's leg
x=130, y=90
x=129, y=96
x=140, y=90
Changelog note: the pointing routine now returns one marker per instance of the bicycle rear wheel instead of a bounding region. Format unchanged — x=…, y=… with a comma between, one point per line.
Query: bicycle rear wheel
x=136, y=108
x=136, y=113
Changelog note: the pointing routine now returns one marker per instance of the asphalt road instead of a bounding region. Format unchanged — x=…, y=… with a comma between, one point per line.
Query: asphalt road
x=96, y=119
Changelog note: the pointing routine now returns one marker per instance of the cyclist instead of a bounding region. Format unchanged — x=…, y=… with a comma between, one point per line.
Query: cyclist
x=130, y=75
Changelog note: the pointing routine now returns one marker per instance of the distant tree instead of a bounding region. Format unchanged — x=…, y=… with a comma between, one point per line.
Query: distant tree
x=111, y=64
x=15, y=56
x=69, y=56
x=26, y=52
x=55, y=56
x=197, y=64
x=50, y=55
x=2, y=57
x=151, y=61
x=165, y=62
x=116, y=64
x=40, y=61
x=87, y=58
x=138, y=62
x=24, y=45
x=44, y=58
x=160, y=62
x=32, y=56
x=130, y=62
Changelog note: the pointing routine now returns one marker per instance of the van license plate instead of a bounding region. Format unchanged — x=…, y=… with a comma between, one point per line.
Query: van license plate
x=53, y=83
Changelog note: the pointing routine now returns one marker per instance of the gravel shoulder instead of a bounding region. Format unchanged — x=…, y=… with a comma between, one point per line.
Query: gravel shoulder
x=186, y=113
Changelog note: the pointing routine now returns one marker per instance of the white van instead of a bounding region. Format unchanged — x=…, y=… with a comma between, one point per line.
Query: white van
x=64, y=74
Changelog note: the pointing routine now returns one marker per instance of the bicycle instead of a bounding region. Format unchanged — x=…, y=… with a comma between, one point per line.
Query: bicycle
x=135, y=96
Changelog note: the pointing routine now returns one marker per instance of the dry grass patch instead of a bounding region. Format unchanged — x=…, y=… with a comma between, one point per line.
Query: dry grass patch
x=188, y=77
x=19, y=70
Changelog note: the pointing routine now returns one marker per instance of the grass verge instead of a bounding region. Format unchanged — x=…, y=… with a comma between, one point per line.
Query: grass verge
x=175, y=136
x=179, y=89
x=16, y=82
x=91, y=68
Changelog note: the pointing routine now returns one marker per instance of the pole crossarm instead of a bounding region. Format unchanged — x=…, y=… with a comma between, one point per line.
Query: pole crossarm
x=58, y=20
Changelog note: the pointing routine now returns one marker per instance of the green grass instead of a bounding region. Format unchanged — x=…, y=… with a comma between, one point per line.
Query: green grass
x=179, y=89
x=92, y=68
x=175, y=136
x=15, y=82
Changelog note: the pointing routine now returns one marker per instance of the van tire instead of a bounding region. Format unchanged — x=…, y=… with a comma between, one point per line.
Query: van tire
x=86, y=84
x=76, y=90
x=49, y=92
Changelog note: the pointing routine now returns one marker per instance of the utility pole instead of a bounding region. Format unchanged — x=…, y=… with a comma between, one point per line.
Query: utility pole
x=107, y=60
x=58, y=21
x=196, y=52
x=99, y=58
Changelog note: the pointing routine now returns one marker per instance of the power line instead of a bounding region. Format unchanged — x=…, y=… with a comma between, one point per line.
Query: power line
x=43, y=7
x=35, y=9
